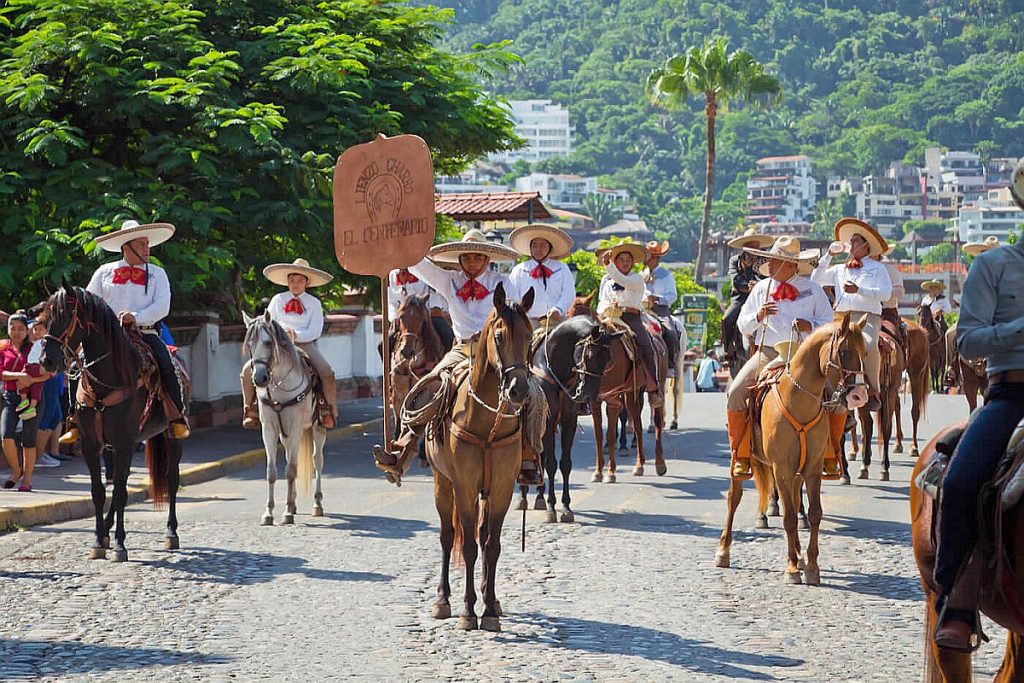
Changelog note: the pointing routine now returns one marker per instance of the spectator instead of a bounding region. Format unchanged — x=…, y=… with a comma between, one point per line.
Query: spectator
x=22, y=389
x=48, y=409
x=709, y=365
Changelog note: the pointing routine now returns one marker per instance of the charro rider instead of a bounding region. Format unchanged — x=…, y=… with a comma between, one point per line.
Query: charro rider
x=623, y=293
x=861, y=284
x=554, y=287
x=743, y=276
x=470, y=293
x=139, y=292
x=891, y=306
x=302, y=317
x=936, y=300
x=782, y=308
x=661, y=295
x=401, y=285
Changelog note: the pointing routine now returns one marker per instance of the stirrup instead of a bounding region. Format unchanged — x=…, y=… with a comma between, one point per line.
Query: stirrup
x=180, y=430
x=530, y=476
x=250, y=422
x=69, y=437
x=392, y=471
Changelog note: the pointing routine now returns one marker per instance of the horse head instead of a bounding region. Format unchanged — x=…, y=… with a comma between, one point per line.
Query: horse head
x=842, y=361
x=416, y=334
x=263, y=339
x=581, y=305
x=591, y=357
x=66, y=327
x=506, y=342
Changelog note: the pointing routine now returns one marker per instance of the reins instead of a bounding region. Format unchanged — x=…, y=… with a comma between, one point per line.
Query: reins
x=264, y=393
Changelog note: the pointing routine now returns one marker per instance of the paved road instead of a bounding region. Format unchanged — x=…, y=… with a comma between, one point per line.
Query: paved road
x=626, y=593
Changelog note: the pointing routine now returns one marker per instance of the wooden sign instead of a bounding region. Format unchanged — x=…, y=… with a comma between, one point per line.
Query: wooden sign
x=383, y=205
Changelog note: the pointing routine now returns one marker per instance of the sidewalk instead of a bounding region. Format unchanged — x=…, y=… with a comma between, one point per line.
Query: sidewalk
x=62, y=493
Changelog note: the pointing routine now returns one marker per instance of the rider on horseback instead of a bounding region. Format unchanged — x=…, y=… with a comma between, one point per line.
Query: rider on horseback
x=661, y=295
x=624, y=290
x=553, y=284
x=139, y=292
x=470, y=295
x=401, y=285
x=861, y=284
x=302, y=317
x=937, y=301
x=784, y=307
x=891, y=306
x=743, y=276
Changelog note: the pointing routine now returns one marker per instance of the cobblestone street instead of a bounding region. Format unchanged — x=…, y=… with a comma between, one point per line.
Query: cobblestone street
x=628, y=592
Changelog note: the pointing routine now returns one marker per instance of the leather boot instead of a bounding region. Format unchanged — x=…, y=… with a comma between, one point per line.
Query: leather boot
x=739, y=446
x=71, y=436
x=529, y=472
x=250, y=418
x=395, y=462
x=961, y=630
x=831, y=467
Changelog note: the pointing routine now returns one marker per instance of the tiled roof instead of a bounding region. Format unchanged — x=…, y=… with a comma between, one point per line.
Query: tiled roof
x=487, y=206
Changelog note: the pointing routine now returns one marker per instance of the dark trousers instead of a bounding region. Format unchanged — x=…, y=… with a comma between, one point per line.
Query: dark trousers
x=730, y=331
x=167, y=374
x=643, y=343
x=973, y=464
x=444, y=330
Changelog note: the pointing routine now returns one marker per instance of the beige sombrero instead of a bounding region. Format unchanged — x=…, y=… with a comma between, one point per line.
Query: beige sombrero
x=561, y=243
x=751, y=238
x=473, y=242
x=975, y=248
x=655, y=249
x=158, y=233
x=637, y=251
x=848, y=227
x=787, y=249
x=278, y=273
x=929, y=284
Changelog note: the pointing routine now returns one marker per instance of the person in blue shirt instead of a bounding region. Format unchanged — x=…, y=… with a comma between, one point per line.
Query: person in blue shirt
x=709, y=365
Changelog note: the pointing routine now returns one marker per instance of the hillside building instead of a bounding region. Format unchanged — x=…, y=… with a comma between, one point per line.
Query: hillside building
x=544, y=126
x=994, y=215
x=782, y=190
x=564, y=191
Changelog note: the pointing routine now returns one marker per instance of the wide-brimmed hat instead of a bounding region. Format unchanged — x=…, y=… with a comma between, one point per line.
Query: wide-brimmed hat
x=473, y=242
x=655, y=249
x=158, y=233
x=1017, y=184
x=561, y=243
x=637, y=251
x=749, y=237
x=975, y=248
x=848, y=227
x=786, y=248
x=933, y=284
x=278, y=273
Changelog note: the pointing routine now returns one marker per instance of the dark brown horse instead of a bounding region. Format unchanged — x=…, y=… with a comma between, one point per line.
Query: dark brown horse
x=936, y=345
x=417, y=348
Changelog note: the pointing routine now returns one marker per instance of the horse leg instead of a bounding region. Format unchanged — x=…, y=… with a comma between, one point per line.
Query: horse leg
x=773, y=508
x=920, y=394
x=623, y=428
x=91, y=453
x=898, y=420
x=291, y=451
x=466, y=507
x=659, y=450
x=171, y=541
x=550, y=467
x=444, y=503
x=733, y=502
x=565, y=465
x=854, y=443
x=812, y=573
x=1012, y=668
x=319, y=437
x=868, y=423
x=119, y=498
x=612, y=413
x=634, y=404
x=490, y=534
x=789, y=495
x=270, y=446
x=596, y=418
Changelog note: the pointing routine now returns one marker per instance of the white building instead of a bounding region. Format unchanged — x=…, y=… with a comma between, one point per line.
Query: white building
x=467, y=181
x=544, y=126
x=994, y=216
x=561, y=190
x=782, y=190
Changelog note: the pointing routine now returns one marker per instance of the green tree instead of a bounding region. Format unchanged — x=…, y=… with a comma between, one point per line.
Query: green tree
x=719, y=76
x=940, y=253
x=222, y=118
x=603, y=208
x=827, y=213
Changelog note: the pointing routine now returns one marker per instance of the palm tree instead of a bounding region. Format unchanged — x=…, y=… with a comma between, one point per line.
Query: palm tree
x=720, y=76
x=604, y=209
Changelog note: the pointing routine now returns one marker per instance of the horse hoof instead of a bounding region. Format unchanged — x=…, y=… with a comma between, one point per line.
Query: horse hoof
x=267, y=520
x=812, y=578
x=914, y=452
x=762, y=522
x=551, y=517
x=97, y=553
x=722, y=559
x=650, y=429
x=623, y=451
x=885, y=475
x=804, y=524
x=597, y=478
x=898, y=448
x=540, y=503
x=773, y=509
x=288, y=519
x=863, y=473
x=638, y=471
x=318, y=511
x=467, y=623
x=121, y=555
x=844, y=480
x=661, y=468
x=794, y=578
x=106, y=542
x=522, y=505
x=497, y=608
x=610, y=479
x=441, y=610
x=171, y=543
x=852, y=457
x=567, y=517
x=492, y=624
x=674, y=425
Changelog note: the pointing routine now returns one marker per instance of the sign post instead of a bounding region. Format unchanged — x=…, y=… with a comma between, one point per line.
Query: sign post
x=384, y=219
x=695, y=320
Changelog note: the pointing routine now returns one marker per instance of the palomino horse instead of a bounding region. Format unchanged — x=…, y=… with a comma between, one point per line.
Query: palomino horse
x=942, y=666
x=476, y=458
x=570, y=364
x=114, y=406
x=970, y=375
x=285, y=387
x=789, y=441
x=936, y=345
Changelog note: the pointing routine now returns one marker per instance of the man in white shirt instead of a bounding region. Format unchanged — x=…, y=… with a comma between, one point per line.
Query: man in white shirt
x=554, y=286
x=860, y=284
x=782, y=308
x=936, y=300
x=139, y=292
x=661, y=295
x=302, y=317
x=401, y=285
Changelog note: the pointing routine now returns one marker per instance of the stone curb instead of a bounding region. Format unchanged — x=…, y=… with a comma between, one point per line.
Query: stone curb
x=79, y=507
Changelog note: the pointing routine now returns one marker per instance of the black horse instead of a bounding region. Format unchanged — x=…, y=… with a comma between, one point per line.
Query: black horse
x=570, y=364
x=86, y=338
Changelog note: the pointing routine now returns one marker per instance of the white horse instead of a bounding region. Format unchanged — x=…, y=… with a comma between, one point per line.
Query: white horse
x=287, y=404
x=676, y=373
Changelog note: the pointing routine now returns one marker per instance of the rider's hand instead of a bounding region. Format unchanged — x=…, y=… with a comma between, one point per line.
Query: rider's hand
x=126, y=318
x=850, y=287
x=769, y=308
x=802, y=325
x=606, y=258
x=290, y=331
x=836, y=248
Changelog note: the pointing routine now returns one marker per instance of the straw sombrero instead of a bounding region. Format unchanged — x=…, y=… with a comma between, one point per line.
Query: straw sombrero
x=655, y=249
x=637, y=251
x=561, y=243
x=278, y=273
x=1017, y=184
x=751, y=238
x=975, y=248
x=848, y=227
x=158, y=233
x=473, y=242
x=787, y=249
x=928, y=284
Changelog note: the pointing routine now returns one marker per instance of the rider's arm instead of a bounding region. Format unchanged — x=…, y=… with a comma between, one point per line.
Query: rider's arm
x=977, y=333
x=823, y=273
x=315, y=322
x=434, y=275
x=633, y=283
x=161, y=304
x=747, y=322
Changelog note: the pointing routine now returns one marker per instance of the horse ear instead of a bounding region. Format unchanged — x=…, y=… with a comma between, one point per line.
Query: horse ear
x=596, y=333
x=590, y=297
x=527, y=302
x=246, y=318
x=863, y=322
x=266, y=316
x=844, y=323
x=499, y=297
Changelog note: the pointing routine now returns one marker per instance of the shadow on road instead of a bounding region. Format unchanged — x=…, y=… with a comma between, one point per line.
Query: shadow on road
x=374, y=526
x=877, y=585
x=83, y=658
x=632, y=520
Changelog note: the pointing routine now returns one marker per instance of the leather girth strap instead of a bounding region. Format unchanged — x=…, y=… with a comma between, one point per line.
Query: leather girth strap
x=801, y=429
x=466, y=436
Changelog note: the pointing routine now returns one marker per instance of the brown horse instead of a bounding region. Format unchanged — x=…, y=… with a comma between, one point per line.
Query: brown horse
x=936, y=345
x=790, y=439
x=918, y=368
x=622, y=387
x=476, y=459
x=890, y=376
x=417, y=348
x=970, y=375
x=947, y=666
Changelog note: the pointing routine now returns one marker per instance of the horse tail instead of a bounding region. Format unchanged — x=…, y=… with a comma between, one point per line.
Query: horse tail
x=764, y=481
x=158, y=460
x=305, y=460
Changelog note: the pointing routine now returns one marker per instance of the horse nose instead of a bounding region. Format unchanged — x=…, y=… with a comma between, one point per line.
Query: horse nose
x=408, y=352
x=518, y=390
x=260, y=377
x=857, y=397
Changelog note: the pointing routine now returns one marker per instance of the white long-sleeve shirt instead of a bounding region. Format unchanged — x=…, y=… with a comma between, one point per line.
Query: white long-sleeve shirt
x=938, y=306
x=872, y=280
x=662, y=287
x=631, y=294
x=468, y=317
x=398, y=293
x=811, y=305
x=898, y=290
x=148, y=305
x=308, y=325
x=556, y=294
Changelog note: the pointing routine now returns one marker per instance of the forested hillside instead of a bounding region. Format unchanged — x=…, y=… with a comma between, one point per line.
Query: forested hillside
x=866, y=82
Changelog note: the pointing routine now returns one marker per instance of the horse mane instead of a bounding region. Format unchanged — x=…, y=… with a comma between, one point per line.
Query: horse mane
x=97, y=316
x=280, y=337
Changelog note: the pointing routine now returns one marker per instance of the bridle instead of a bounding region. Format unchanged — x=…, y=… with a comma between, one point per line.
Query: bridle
x=264, y=393
x=849, y=379
x=580, y=371
x=75, y=367
x=504, y=376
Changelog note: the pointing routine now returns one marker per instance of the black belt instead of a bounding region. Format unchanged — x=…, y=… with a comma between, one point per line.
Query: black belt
x=1007, y=377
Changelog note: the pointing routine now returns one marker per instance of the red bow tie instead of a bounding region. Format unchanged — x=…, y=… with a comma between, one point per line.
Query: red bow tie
x=541, y=271
x=132, y=274
x=854, y=262
x=294, y=306
x=404, y=277
x=785, y=292
x=472, y=290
